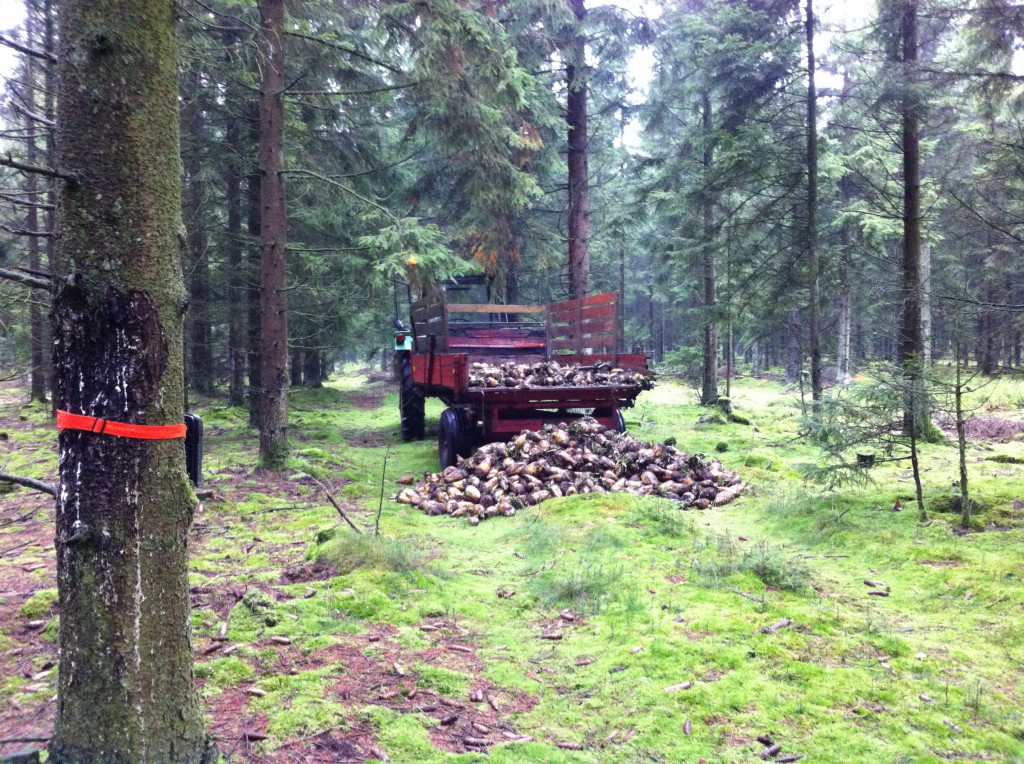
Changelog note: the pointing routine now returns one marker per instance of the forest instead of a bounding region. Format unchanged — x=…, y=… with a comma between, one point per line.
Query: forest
x=774, y=245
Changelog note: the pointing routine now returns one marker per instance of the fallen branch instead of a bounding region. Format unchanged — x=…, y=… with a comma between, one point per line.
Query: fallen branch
x=774, y=628
x=380, y=506
x=759, y=600
x=36, y=485
x=330, y=497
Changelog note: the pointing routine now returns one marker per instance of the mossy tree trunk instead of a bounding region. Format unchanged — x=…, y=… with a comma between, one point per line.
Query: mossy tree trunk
x=126, y=691
x=709, y=366
x=273, y=404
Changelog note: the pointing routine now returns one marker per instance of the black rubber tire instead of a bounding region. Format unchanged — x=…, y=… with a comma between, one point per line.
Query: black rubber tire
x=411, y=402
x=454, y=438
x=621, y=422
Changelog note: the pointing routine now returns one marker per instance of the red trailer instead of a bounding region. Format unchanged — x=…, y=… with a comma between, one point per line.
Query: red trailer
x=446, y=337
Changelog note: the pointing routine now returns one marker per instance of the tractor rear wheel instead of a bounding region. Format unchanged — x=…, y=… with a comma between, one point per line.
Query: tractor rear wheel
x=410, y=402
x=454, y=438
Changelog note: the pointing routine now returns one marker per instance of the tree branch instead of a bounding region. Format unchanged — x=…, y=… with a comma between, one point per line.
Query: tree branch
x=23, y=231
x=337, y=506
x=25, y=49
x=10, y=161
x=35, y=485
x=346, y=48
x=24, y=278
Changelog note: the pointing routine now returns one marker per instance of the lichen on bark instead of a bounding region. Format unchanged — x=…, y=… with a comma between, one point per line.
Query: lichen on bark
x=126, y=691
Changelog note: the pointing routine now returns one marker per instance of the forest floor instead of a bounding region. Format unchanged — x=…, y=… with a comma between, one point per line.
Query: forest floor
x=314, y=644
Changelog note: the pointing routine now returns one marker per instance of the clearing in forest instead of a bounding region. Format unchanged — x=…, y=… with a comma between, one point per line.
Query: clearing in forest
x=601, y=628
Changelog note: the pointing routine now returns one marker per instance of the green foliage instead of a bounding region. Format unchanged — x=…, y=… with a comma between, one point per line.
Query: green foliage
x=720, y=559
x=350, y=552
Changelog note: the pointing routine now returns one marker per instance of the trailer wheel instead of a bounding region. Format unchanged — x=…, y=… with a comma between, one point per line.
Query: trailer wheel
x=410, y=402
x=453, y=437
x=620, y=422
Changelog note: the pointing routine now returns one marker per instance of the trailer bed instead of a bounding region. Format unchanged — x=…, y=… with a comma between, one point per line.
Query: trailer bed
x=582, y=332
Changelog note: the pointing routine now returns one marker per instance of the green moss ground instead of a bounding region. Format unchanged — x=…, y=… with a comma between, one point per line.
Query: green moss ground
x=660, y=597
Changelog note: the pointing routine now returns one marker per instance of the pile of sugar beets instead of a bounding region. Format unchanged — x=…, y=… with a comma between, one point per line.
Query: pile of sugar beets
x=567, y=459
x=554, y=374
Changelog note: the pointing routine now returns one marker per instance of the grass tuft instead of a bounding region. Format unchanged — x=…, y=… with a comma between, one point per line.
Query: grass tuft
x=349, y=552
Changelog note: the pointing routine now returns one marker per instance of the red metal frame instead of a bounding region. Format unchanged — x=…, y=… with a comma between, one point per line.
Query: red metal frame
x=580, y=332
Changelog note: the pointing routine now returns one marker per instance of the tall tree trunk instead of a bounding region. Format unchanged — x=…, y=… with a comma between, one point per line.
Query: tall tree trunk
x=37, y=338
x=794, y=354
x=235, y=275
x=255, y=343
x=273, y=227
x=911, y=346
x=576, y=117
x=200, y=352
x=295, y=368
x=709, y=375
x=126, y=690
x=311, y=368
x=926, y=305
x=813, y=330
x=50, y=88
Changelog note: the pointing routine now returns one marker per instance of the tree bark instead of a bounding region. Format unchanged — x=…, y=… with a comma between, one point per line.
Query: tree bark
x=709, y=375
x=926, y=305
x=273, y=408
x=254, y=361
x=49, y=88
x=813, y=330
x=295, y=368
x=200, y=333
x=844, y=371
x=911, y=345
x=576, y=117
x=794, y=354
x=126, y=691
x=235, y=275
x=311, y=368
x=37, y=338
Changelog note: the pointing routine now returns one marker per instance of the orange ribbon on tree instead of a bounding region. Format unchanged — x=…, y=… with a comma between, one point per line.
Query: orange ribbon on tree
x=69, y=421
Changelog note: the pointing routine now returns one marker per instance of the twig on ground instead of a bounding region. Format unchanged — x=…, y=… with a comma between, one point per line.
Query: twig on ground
x=36, y=485
x=307, y=737
x=753, y=598
x=17, y=547
x=285, y=508
x=337, y=506
x=25, y=517
x=11, y=740
x=380, y=506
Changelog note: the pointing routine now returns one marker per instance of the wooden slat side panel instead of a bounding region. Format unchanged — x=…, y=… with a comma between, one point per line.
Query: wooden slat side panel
x=605, y=298
x=502, y=326
x=598, y=299
x=590, y=347
x=635, y=361
x=527, y=309
x=496, y=342
x=608, y=326
x=422, y=311
x=593, y=312
x=449, y=370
